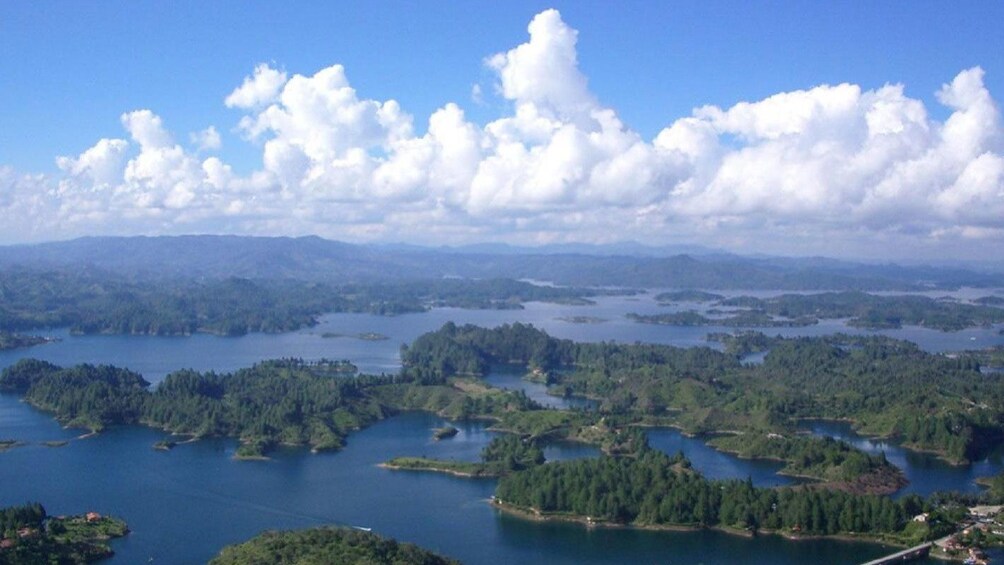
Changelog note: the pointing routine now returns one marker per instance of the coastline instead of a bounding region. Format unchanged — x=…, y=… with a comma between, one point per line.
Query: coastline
x=532, y=515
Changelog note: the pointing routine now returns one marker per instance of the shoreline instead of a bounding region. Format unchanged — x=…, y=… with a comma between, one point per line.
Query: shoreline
x=532, y=515
x=430, y=469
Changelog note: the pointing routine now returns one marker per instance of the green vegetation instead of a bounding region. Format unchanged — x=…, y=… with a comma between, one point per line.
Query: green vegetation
x=285, y=401
x=326, y=545
x=502, y=456
x=864, y=310
x=365, y=336
x=445, y=432
x=6, y=444
x=689, y=295
x=91, y=303
x=873, y=311
x=886, y=387
x=994, y=485
x=28, y=535
x=741, y=319
x=9, y=340
x=820, y=458
x=653, y=489
x=581, y=319
x=282, y=401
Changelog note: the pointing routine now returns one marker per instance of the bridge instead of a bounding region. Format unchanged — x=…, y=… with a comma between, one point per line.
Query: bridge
x=906, y=555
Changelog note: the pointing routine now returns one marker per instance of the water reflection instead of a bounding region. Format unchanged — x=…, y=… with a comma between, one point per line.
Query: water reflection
x=926, y=473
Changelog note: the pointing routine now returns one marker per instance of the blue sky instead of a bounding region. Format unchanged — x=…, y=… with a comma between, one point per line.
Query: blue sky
x=71, y=71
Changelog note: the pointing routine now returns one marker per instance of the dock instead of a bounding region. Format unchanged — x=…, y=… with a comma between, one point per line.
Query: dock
x=906, y=555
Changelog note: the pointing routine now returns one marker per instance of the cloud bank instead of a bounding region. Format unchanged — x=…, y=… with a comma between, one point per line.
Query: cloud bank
x=829, y=169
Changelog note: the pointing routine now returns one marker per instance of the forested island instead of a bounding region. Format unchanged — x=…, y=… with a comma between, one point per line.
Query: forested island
x=503, y=455
x=326, y=545
x=860, y=308
x=97, y=303
x=887, y=387
x=29, y=535
x=653, y=490
x=884, y=386
x=10, y=340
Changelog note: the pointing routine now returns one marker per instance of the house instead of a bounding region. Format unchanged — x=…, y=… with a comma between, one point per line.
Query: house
x=92, y=516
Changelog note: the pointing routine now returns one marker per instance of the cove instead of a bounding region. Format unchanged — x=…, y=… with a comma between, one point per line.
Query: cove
x=926, y=473
x=185, y=504
x=154, y=357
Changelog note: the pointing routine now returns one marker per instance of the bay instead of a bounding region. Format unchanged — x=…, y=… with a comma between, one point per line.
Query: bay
x=184, y=505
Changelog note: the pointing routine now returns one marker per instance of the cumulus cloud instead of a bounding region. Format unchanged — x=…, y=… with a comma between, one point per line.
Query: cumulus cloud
x=257, y=90
x=830, y=165
x=207, y=139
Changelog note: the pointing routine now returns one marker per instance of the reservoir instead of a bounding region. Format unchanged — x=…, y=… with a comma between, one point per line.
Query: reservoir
x=185, y=504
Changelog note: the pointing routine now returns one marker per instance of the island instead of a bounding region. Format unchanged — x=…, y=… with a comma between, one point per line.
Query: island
x=581, y=319
x=327, y=545
x=503, y=455
x=11, y=340
x=96, y=302
x=29, y=535
x=365, y=336
x=882, y=386
x=860, y=309
x=687, y=295
x=7, y=444
x=445, y=432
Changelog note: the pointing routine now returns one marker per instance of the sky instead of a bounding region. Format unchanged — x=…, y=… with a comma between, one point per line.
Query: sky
x=862, y=130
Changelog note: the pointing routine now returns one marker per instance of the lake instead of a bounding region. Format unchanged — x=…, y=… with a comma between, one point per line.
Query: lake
x=185, y=504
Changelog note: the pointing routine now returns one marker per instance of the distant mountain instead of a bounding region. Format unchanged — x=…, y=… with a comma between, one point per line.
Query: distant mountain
x=316, y=259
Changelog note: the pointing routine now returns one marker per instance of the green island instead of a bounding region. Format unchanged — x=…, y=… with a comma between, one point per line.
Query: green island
x=90, y=302
x=687, y=295
x=29, y=535
x=833, y=462
x=11, y=340
x=364, y=336
x=582, y=319
x=446, y=432
x=883, y=386
x=7, y=444
x=741, y=319
x=862, y=310
x=326, y=545
x=502, y=456
x=652, y=490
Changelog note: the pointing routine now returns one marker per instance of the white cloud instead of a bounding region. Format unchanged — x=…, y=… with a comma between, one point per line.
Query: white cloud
x=207, y=139
x=257, y=90
x=817, y=170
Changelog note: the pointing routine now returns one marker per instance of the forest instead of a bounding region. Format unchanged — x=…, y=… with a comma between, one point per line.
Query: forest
x=284, y=401
x=326, y=545
x=862, y=309
x=503, y=455
x=884, y=386
x=29, y=536
x=887, y=387
x=654, y=489
x=94, y=303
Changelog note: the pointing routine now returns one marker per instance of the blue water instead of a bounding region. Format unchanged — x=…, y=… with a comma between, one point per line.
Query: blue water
x=154, y=357
x=926, y=473
x=511, y=378
x=184, y=505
